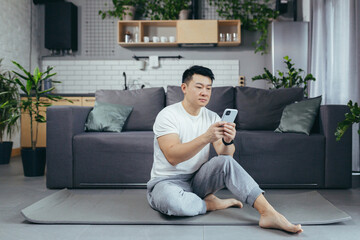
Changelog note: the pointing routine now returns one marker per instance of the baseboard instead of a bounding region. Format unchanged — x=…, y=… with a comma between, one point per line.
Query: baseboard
x=15, y=152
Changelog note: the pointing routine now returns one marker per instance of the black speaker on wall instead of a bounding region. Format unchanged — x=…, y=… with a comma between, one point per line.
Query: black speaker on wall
x=61, y=26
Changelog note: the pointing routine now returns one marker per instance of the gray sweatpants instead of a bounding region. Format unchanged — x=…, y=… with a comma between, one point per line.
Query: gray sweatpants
x=183, y=195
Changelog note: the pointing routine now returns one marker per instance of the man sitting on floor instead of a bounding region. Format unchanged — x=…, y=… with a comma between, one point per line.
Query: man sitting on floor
x=183, y=180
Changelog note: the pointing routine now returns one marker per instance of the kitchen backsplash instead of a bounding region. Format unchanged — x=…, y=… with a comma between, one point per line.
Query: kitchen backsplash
x=87, y=76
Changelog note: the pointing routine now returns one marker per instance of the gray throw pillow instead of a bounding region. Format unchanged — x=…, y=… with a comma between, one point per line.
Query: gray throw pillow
x=146, y=103
x=261, y=109
x=299, y=117
x=221, y=98
x=107, y=117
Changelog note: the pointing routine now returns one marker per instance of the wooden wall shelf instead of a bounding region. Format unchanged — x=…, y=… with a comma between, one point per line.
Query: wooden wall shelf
x=184, y=31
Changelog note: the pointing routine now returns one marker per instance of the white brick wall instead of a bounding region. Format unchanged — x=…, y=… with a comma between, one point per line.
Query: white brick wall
x=87, y=76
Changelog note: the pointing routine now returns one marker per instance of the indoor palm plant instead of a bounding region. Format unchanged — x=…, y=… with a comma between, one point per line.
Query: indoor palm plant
x=34, y=98
x=350, y=118
x=254, y=15
x=292, y=78
x=9, y=112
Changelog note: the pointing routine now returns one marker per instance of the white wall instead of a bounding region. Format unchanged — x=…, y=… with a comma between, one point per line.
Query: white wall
x=87, y=76
x=15, y=37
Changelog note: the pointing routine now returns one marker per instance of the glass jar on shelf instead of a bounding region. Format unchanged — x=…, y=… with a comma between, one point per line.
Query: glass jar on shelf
x=127, y=37
x=234, y=37
x=136, y=35
x=228, y=37
x=222, y=37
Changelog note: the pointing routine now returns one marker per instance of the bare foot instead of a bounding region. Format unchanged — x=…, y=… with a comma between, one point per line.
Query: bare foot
x=273, y=219
x=213, y=203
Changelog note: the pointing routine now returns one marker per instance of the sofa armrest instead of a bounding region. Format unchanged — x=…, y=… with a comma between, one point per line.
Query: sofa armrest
x=63, y=122
x=338, y=162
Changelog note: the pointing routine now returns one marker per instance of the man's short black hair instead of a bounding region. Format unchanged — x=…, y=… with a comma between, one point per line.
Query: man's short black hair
x=187, y=75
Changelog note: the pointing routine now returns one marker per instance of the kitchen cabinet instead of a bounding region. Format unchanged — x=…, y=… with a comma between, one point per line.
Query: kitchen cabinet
x=195, y=31
x=185, y=32
x=75, y=101
x=25, y=120
x=88, y=101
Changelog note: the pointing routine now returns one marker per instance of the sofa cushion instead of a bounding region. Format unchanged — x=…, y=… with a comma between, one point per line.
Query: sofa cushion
x=281, y=160
x=221, y=98
x=261, y=109
x=299, y=117
x=107, y=159
x=146, y=103
x=173, y=95
x=107, y=117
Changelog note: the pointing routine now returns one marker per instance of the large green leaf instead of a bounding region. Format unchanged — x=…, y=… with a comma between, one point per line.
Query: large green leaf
x=4, y=104
x=23, y=88
x=29, y=86
x=21, y=76
x=47, y=90
x=48, y=76
x=40, y=118
x=23, y=69
x=350, y=118
x=37, y=75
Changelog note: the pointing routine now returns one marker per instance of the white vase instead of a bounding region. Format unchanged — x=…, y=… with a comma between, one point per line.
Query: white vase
x=184, y=14
x=129, y=12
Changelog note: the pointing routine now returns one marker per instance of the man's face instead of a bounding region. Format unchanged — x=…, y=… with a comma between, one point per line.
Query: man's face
x=198, y=90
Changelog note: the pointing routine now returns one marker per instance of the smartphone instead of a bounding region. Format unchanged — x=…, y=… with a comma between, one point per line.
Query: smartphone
x=229, y=115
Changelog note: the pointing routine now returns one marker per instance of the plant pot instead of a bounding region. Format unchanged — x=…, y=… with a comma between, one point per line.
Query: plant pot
x=5, y=152
x=184, y=14
x=33, y=161
x=129, y=12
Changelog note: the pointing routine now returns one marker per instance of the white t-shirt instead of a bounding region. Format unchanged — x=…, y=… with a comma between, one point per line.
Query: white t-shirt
x=175, y=119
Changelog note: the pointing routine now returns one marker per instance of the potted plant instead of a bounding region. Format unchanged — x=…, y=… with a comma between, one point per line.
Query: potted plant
x=292, y=78
x=123, y=9
x=9, y=112
x=167, y=9
x=254, y=16
x=33, y=158
x=184, y=7
x=350, y=118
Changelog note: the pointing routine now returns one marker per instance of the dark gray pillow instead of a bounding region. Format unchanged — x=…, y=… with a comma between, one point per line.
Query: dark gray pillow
x=146, y=103
x=107, y=117
x=299, y=117
x=221, y=98
x=173, y=95
x=261, y=109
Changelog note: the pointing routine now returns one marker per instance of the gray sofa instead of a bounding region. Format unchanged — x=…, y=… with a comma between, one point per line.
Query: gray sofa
x=79, y=159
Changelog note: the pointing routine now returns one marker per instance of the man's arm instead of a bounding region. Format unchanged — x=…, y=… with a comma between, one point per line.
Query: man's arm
x=176, y=152
x=229, y=135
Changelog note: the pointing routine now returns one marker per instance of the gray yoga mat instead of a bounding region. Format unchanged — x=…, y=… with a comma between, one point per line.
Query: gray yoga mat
x=130, y=207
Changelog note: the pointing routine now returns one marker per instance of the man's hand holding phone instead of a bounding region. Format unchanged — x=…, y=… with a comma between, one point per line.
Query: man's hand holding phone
x=224, y=129
x=215, y=131
x=229, y=130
